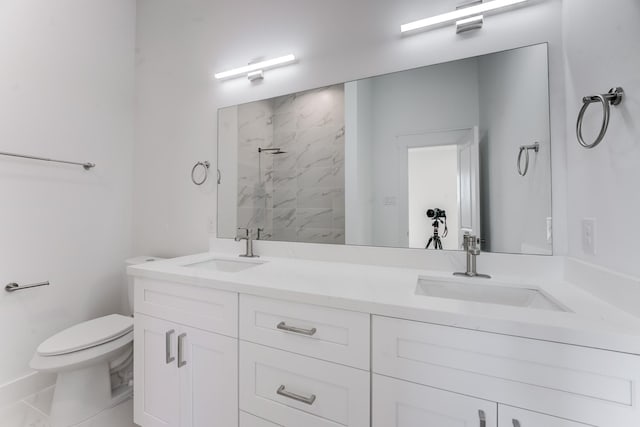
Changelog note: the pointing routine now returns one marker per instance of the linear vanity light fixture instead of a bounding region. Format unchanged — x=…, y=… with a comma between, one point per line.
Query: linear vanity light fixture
x=471, y=13
x=255, y=71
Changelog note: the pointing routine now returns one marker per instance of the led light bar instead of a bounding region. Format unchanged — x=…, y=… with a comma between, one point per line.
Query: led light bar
x=458, y=14
x=258, y=66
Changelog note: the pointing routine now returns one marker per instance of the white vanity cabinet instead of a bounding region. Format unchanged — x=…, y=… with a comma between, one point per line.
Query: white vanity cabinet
x=398, y=403
x=303, y=365
x=325, y=333
x=212, y=358
x=591, y=386
x=514, y=417
x=157, y=380
x=185, y=374
x=248, y=420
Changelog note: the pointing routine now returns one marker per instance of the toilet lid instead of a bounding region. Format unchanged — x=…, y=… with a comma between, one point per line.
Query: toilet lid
x=87, y=334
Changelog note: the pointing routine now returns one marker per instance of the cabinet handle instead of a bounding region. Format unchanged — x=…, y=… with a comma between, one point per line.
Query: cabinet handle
x=483, y=418
x=181, y=361
x=308, y=400
x=167, y=346
x=283, y=326
x=516, y=423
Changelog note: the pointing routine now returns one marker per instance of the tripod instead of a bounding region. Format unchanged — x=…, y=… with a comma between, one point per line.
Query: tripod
x=435, y=239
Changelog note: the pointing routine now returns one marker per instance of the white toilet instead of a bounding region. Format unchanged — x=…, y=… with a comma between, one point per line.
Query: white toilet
x=94, y=364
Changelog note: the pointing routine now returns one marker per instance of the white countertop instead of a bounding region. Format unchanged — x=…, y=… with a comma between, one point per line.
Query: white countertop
x=390, y=291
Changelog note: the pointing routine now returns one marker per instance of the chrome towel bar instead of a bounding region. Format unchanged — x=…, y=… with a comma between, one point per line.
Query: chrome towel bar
x=86, y=166
x=525, y=149
x=13, y=287
x=613, y=97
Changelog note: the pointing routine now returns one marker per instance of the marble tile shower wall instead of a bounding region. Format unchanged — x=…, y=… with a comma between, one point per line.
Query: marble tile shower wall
x=255, y=170
x=297, y=195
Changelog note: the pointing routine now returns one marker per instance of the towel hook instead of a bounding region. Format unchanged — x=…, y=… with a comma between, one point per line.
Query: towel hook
x=206, y=166
x=525, y=149
x=613, y=97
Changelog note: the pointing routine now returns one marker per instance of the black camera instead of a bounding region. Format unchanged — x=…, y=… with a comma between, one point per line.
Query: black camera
x=436, y=213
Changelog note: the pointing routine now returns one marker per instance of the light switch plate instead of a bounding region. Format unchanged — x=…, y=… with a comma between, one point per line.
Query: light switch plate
x=589, y=236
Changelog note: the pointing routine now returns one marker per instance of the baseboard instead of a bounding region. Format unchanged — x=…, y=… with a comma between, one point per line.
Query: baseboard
x=22, y=387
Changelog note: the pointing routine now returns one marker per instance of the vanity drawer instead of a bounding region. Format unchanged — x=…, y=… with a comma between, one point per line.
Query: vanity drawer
x=592, y=386
x=203, y=308
x=325, y=333
x=293, y=390
x=508, y=416
x=248, y=420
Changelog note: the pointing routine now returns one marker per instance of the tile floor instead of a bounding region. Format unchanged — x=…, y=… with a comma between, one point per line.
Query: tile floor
x=33, y=411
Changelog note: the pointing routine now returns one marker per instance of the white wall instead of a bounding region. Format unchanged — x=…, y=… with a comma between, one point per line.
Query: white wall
x=514, y=95
x=604, y=182
x=181, y=43
x=228, y=155
x=440, y=97
x=66, y=91
x=358, y=151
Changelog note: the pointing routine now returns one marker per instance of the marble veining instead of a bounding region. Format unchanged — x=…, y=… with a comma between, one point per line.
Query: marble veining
x=299, y=194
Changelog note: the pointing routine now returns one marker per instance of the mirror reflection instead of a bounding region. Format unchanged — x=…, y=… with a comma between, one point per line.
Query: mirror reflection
x=411, y=159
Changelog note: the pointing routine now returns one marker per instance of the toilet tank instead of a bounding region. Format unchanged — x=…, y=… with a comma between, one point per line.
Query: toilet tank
x=136, y=261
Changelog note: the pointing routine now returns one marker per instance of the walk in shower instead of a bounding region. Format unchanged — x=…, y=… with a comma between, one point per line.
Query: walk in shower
x=291, y=166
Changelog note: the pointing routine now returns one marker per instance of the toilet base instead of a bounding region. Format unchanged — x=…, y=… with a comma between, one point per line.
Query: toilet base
x=83, y=393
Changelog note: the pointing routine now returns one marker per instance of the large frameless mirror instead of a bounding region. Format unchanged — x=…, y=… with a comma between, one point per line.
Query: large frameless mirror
x=413, y=159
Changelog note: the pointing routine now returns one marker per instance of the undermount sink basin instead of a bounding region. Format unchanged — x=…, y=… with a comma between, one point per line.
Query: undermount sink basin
x=486, y=293
x=224, y=265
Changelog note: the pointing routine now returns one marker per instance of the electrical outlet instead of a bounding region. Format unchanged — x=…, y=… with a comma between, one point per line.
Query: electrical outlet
x=589, y=236
x=390, y=201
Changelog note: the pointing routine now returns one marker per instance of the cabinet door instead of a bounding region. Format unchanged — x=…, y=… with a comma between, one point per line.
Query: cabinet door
x=248, y=420
x=208, y=368
x=156, y=402
x=514, y=417
x=398, y=403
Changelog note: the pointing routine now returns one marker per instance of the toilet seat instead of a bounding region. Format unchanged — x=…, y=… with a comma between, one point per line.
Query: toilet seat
x=83, y=358
x=86, y=335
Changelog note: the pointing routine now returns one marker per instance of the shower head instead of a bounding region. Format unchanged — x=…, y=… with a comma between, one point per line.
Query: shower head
x=271, y=150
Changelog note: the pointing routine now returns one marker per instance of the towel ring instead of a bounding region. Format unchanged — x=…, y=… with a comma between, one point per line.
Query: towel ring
x=613, y=97
x=206, y=166
x=525, y=149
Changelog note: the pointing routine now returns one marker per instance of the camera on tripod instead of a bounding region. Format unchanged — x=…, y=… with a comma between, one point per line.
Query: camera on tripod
x=437, y=213
x=439, y=216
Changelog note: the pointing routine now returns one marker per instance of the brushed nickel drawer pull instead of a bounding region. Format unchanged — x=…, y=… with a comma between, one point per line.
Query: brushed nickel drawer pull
x=167, y=346
x=483, y=418
x=308, y=400
x=283, y=327
x=516, y=423
x=181, y=361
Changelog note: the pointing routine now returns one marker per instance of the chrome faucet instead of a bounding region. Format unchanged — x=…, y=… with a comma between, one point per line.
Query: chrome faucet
x=470, y=245
x=249, y=238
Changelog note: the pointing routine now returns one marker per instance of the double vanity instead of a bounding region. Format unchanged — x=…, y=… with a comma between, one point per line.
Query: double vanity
x=266, y=342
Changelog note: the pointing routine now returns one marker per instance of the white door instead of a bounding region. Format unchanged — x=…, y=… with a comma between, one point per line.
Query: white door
x=399, y=403
x=157, y=397
x=514, y=417
x=467, y=140
x=469, y=186
x=208, y=367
